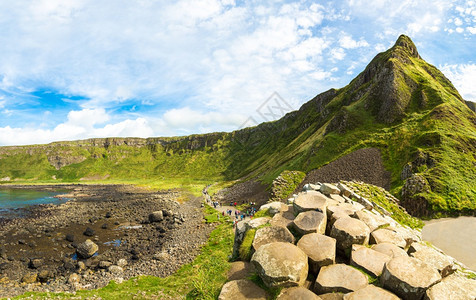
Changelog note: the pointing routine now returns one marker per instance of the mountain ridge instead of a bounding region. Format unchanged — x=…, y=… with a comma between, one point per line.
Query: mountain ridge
x=399, y=104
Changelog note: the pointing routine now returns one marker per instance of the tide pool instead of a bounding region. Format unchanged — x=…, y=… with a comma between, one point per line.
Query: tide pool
x=22, y=198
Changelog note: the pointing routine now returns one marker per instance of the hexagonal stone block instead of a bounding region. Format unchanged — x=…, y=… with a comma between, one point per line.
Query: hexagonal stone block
x=266, y=235
x=385, y=235
x=371, y=292
x=284, y=219
x=339, y=278
x=389, y=249
x=310, y=200
x=371, y=220
x=430, y=255
x=327, y=189
x=453, y=287
x=368, y=259
x=297, y=293
x=348, y=231
x=309, y=222
x=320, y=249
x=242, y=289
x=332, y=296
x=408, y=277
x=281, y=264
x=274, y=207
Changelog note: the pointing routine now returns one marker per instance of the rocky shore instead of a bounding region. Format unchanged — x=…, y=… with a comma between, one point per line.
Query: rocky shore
x=328, y=242
x=105, y=232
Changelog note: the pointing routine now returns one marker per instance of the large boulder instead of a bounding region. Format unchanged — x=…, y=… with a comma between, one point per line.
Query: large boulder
x=310, y=200
x=87, y=249
x=242, y=289
x=373, y=221
x=327, y=189
x=284, y=218
x=241, y=229
x=271, y=234
x=309, y=222
x=453, y=287
x=156, y=216
x=281, y=264
x=349, y=231
x=408, y=277
x=371, y=292
x=389, y=249
x=386, y=235
x=430, y=255
x=339, y=278
x=274, y=207
x=297, y=293
x=320, y=249
x=369, y=260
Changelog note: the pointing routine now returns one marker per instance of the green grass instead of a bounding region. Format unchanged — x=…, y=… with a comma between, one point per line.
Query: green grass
x=201, y=279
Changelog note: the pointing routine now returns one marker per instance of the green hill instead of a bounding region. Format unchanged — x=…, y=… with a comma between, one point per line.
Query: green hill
x=399, y=104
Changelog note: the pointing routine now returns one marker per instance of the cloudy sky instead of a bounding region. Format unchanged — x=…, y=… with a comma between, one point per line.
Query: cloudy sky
x=74, y=69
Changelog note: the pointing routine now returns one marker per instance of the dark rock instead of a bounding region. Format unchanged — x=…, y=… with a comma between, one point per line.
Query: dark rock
x=108, y=214
x=89, y=232
x=87, y=249
x=104, y=226
x=35, y=263
x=69, y=238
x=21, y=242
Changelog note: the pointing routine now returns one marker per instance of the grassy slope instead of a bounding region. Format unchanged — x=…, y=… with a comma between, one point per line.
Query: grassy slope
x=434, y=122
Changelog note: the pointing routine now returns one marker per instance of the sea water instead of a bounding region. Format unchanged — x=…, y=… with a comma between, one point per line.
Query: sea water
x=11, y=199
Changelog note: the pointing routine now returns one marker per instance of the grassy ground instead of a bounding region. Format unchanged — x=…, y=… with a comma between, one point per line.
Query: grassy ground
x=201, y=279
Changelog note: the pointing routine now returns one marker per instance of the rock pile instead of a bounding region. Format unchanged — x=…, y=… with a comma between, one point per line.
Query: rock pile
x=318, y=248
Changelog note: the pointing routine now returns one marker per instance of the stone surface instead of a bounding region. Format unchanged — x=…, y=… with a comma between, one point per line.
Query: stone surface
x=453, y=287
x=327, y=189
x=297, y=293
x=430, y=255
x=241, y=229
x=73, y=278
x=310, y=200
x=339, y=278
x=371, y=220
x=30, y=277
x=309, y=222
x=271, y=234
x=389, y=249
x=281, y=264
x=241, y=290
x=320, y=249
x=408, y=277
x=87, y=249
x=239, y=270
x=385, y=235
x=371, y=292
x=156, y=216
x=344, y=190
x=332, y=296
x=284, y=219
x=348, y=231
x=273, y=207
x=368, y=259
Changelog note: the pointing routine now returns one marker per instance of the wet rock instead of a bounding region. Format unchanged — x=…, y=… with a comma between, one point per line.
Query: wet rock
x=281, y=264
x=156, y=216
x=408, y=277
x=371, y=292
x=271, y=234
x=242, y=289
x=89, y=232
x=297, y=293
x=339, y=278
x=309, y=222
x=87, y=249
x=320, y=249
x=348, y=231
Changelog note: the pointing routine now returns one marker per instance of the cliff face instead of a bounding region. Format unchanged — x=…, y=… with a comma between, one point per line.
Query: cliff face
x=399, y=104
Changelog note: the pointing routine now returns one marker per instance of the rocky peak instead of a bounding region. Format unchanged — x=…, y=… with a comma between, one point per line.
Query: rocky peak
x=406, y=44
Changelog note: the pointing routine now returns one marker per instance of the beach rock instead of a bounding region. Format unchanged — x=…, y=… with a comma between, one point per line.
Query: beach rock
x=273, y=207
x=320, y=249
x=339, y=278
x=89, y=232
x=271, y=234
x=239, y=270
x=44, y=275
x=87, y=249
x=29, y=277
x=115, y=269
x=281, y=264
x=104, y=264
x=242, y=289
x=371, y=220
x=327, y=189
x=122, y=263
x=297, y=293
x=430, y=255
x=309, y=222
x=389, y=249
x=348, y=231
x=69, y=238
x=371, y=292
x=310, y=200
x=408, y=277
x=454, y=287
x=369, y=260
x=35, y=263
x=386, y=235
x=156, y=216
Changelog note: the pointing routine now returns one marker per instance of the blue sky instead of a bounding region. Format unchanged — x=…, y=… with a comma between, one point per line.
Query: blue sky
x=80, y=69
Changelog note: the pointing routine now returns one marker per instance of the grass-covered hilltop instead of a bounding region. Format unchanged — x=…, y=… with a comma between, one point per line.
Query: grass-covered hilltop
x=399, y=104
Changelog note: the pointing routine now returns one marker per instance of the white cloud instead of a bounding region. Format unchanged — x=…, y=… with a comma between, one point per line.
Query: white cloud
x=347, y=42
x=463, y=77
x=337, y=53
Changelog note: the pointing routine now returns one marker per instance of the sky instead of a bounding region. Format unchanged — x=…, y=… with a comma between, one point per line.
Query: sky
x=76, y=69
